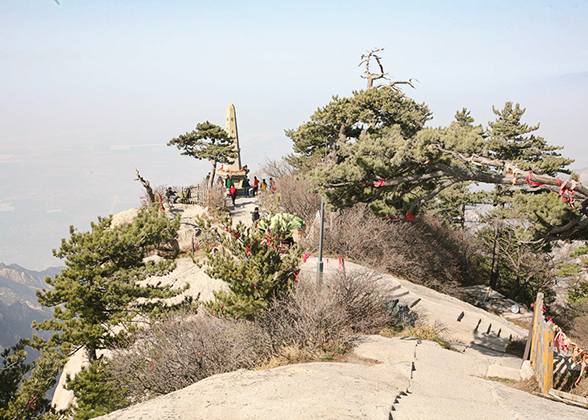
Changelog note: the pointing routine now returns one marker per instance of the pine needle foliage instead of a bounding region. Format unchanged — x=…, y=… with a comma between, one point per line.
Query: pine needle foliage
x=100, y=287
x=257, y=266
x=208, y=141
x=97, y=392
x=23, y=385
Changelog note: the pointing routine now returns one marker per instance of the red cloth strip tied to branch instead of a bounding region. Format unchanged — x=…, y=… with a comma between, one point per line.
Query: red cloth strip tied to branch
x=566, y=193
x=530, y=181
x=30, y=403
x=379, y=183
x=562, y=344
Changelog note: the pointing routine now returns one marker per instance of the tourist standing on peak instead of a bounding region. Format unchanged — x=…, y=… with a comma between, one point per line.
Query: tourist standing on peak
x=255, y=186
x=263, y=185
x=246, y=187
x=230, y=182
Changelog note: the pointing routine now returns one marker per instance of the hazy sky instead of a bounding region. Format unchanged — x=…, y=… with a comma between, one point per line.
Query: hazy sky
x=91, y=89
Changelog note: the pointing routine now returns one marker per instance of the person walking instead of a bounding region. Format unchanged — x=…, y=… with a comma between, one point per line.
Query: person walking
x=263, y=185
x=233, y=193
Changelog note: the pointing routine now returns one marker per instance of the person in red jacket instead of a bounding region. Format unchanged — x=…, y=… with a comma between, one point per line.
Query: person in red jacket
x=233, y=193
x=255, y=186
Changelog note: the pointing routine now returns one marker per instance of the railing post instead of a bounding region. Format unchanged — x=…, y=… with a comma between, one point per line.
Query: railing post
x=542, y=348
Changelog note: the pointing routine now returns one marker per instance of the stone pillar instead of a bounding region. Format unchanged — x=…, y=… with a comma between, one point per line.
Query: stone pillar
x=231, y=128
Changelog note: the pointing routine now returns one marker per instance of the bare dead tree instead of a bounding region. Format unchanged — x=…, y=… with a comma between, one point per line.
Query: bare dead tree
x=147, y=186
x=366, y=58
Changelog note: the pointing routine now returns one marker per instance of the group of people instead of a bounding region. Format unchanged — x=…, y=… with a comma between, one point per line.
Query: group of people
x=173, y=195
x=248, y=189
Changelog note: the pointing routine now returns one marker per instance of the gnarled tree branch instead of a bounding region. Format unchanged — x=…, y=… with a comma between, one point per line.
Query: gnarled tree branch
x=147, y=186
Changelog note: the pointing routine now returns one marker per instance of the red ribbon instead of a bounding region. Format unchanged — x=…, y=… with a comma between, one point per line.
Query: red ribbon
x=305, y=257
x=567, y=194
x=530, y=181
x=379, y=183
x=30, y=403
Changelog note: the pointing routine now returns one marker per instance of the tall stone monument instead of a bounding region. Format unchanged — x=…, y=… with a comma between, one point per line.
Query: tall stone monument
x=231, y=128
x=235, y=169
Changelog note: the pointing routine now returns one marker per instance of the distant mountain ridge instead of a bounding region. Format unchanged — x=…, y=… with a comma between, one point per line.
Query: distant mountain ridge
x=18, y=301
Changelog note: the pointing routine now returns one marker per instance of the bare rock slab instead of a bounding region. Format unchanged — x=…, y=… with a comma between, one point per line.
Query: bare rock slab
x=303, y=391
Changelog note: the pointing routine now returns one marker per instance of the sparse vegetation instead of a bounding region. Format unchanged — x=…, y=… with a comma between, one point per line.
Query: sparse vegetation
x=309, y=323
x=426, y=251
x=436, y=332
x=397, y=195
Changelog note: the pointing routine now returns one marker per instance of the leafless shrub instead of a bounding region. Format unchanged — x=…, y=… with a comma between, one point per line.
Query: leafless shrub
x=277, y=169
x=309, y=319
x=365, y=298
x=215, y=198
x=424, y=250
x=295, y=196
x=436, y=255
x=309, y=323
x=184, y=349
x=579, y=324
x=324, y=319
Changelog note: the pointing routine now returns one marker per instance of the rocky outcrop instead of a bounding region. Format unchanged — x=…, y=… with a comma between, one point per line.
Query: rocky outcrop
x=399, y=378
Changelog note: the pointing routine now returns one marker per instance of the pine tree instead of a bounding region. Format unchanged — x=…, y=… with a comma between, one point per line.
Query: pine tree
x=24, y=386
x=13, y=369
x=208, y=141
x=452, y=202
x=508, y=141
x=463, y=118
x=389, y=161
x=100, y=288
x=344, y=120
x=96, y=391
x=523, y=268
x=256, y=265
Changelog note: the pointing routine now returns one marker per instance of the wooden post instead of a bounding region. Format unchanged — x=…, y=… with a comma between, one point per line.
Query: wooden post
x=542, y=348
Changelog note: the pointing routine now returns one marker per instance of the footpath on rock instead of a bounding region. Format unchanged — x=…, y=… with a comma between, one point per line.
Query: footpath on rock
x=394, y=378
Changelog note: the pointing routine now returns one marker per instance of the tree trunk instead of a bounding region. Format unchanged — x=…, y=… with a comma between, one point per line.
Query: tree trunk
x=212, y=175
x=148, y=189
x=495, y=256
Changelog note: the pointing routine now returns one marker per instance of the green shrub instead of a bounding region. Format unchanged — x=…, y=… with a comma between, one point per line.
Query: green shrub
x=255, y=264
